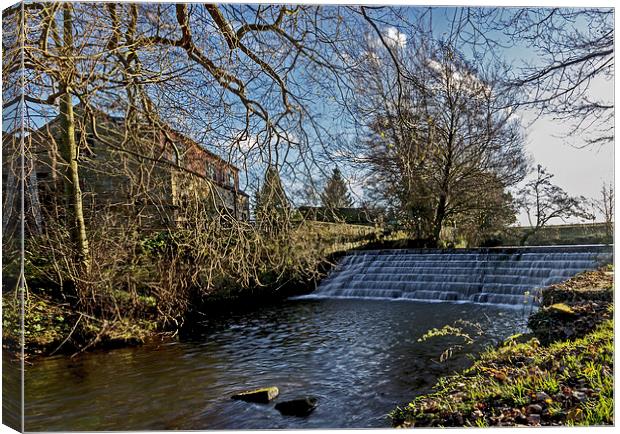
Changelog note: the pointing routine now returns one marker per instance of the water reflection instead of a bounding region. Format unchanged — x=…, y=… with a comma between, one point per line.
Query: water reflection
x=360, y=358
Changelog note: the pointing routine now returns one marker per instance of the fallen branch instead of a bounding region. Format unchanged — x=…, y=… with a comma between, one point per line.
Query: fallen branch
x=68, y=336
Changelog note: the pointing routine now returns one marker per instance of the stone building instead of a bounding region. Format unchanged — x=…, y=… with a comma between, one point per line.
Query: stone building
x=145, y=175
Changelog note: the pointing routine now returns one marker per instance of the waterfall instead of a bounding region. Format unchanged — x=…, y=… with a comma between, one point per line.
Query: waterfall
x=511, y=276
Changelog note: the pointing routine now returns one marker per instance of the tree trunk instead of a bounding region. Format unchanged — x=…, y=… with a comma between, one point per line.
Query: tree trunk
x=69, y=153
x=440, y=214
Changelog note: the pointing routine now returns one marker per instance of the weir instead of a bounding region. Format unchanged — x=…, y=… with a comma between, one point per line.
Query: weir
x=509, y=276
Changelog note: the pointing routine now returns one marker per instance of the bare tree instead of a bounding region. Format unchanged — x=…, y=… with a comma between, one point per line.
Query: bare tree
x=605, y=205
x=571, y=53
x=440, y=140
x=115, y=84
x=575, y=49
x=543, y=201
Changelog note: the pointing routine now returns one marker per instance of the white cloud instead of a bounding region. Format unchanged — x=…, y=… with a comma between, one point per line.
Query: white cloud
x=465, y=80
x=394, y=38
x=390, y=36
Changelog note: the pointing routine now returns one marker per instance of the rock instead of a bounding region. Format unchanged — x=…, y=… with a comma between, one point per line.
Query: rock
x=579, y=396
x=533, y=419
x=520, y=419
x=455, y=419
x=534, y=409
x=263, y=395
x=542, y=396
x=297, y=407
x=430, y=407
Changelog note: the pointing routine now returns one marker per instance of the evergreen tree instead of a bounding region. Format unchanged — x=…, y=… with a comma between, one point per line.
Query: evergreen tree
x=272, y=205
x=336, y=194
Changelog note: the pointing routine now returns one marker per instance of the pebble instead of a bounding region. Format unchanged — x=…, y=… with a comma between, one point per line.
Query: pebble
x=534, y=409
x=520, y=419
x=533, y=419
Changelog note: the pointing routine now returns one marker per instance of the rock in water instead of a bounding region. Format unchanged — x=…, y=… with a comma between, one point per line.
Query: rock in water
x=263, y=395
x=297, y=407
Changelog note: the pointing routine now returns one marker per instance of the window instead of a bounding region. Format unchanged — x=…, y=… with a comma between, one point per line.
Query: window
x=231, y=178
x=211, y=172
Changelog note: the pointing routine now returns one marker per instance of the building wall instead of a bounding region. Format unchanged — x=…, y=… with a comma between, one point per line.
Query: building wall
x=142, y=185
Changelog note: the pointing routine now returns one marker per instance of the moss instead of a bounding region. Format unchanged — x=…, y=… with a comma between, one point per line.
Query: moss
x=263, y=395
x=568, y=382
x=46, y=322
x=562, y=309
x=565, y=380
x=50, y=327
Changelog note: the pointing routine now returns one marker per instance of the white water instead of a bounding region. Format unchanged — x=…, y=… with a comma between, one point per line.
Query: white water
x=497, y=276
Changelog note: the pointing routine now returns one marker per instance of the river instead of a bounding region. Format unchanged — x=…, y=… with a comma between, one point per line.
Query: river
x=360, y=358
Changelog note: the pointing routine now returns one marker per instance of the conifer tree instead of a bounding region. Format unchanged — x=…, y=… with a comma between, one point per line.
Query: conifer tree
x=336, y=194
x=272, y=205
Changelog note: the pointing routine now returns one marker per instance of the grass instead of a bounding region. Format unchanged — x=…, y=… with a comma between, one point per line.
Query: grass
x=566, y=380
x=586, y=233
x=571, y=381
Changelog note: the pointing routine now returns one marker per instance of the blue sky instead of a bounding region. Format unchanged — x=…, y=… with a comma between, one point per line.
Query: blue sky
x=578, y=171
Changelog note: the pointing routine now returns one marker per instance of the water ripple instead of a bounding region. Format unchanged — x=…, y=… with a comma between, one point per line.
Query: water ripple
x=359, y=357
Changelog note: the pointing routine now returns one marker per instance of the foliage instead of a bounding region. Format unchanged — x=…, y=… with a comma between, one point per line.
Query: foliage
x=336, y=194
x=457, y=330
x=157, y=244
x=44, y=321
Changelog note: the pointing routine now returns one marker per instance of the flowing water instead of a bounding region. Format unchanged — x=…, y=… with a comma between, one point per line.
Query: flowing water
x=360, y=358
x=498, y=276
x=353, y=344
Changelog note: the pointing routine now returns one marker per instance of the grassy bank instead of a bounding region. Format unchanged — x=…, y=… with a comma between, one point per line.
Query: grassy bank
x=51, y=326
x=568, y=234
x=561, y=374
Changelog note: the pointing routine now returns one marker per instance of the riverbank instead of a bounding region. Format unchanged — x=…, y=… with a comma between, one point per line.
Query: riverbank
x=560, y=374
x=55, y=326
x=52, y=327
